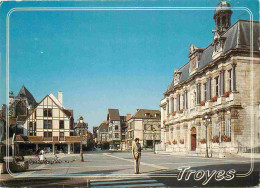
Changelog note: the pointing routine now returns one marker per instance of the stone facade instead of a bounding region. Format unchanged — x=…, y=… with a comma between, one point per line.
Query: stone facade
x=213, y=101
x=145, y=125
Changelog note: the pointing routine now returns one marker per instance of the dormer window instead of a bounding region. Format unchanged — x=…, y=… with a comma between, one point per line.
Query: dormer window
x=218, y=44
x=147, y=114
x=177, y=75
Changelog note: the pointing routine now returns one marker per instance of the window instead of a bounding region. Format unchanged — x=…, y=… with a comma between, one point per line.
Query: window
x=215, y=129
x=185, y=100
x=30, y=126
x=228, y=127
x=47, y=134
x=47, y=124
x=148, y=114
x=116, y=135
x=61, y=124
x=116, y=127
x=217, y=86
x=61, y=134
x=198, y=94
x=205, y=91
x=47, y=112
x=222, y=83
x=230, y=80
x=178, y=102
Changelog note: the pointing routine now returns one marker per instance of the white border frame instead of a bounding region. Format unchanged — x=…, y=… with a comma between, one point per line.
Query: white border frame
x=121, y=9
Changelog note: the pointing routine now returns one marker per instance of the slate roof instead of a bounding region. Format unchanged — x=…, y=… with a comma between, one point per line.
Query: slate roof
x=140, y=114
x=25, y=93
x=113, y=114
x=237, y=37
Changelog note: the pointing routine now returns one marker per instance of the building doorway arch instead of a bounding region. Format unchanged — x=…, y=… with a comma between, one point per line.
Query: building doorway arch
x=193, y=139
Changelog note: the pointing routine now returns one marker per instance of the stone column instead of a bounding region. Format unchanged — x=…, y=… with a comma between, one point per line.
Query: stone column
x=162, y=116
x=53, y=148
x=36, y=146
x=68, y=148
x=170, y=105
x=163, y=138
x=167, y=108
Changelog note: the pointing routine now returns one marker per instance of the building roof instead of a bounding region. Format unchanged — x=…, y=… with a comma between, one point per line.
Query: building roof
x=222, y=6
x=113, y=115
x=56, y=100
x=19, y=138
x=146, y=114
x=68, y=112
x=25, y=93
x=21, y=118
x=236, y=37
x=103, y=127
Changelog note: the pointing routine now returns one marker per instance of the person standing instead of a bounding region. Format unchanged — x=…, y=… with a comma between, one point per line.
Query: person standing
x=41, y=155
x=136, y=152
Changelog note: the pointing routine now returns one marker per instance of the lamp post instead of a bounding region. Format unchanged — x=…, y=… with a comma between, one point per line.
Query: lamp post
x=153, y=140
x=207, y=122
x=81, y=122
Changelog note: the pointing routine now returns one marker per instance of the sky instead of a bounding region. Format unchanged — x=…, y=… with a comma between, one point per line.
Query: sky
x=104, y=59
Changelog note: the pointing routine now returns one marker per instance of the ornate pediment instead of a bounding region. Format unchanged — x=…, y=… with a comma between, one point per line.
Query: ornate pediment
x=194, y=55
x=176, y=76
x=193, y=49
x=218, y=44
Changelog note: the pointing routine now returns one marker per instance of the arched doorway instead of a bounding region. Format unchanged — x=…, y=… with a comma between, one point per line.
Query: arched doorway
x=193, y=139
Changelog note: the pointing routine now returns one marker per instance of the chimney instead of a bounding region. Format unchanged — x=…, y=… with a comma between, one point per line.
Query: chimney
x=128, y=116
x=60, y=96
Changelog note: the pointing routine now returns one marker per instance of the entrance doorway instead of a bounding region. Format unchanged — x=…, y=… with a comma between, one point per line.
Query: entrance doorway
x=193, y=139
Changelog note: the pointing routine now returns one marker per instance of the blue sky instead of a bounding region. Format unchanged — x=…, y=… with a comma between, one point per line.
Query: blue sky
x=104, y=59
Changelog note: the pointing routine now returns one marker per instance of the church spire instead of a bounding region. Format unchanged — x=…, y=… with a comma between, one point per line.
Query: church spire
x=222, y=16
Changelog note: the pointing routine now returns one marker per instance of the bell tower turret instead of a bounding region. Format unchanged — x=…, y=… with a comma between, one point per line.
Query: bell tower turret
x=222, y=16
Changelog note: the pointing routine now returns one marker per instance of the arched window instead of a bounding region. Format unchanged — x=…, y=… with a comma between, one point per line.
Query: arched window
x=224, y=21
x=215, y=129
x=218, y=22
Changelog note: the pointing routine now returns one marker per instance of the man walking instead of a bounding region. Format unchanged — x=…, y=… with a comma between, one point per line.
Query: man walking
x=136, y=152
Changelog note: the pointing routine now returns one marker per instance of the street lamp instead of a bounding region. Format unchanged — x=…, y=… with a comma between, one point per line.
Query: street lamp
x=81, y=123
x=153, y=131
x=207, y=122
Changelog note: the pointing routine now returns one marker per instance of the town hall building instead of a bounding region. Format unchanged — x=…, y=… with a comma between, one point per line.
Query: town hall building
x=212, y=103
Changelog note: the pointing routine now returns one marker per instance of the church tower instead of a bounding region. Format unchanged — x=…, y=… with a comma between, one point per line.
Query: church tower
x=222, y=17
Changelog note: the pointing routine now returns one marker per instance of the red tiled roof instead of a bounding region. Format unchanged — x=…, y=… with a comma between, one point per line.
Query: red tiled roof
x=28, y=138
